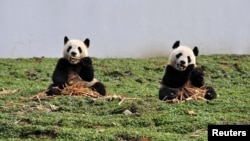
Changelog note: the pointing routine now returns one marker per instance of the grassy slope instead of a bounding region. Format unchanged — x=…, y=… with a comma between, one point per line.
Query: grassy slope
x=79, y=118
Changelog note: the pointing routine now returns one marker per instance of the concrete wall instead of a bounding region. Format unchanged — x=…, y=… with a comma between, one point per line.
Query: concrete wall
x=123, y=28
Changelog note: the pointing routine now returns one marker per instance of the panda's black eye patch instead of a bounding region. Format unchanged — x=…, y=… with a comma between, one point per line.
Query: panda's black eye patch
x=80, y=49
x=178, y=55
x=189, y=59
x=69, y=48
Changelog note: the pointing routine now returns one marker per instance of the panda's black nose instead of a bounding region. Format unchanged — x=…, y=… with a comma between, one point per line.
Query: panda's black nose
x=73, y=53
x=182, y=62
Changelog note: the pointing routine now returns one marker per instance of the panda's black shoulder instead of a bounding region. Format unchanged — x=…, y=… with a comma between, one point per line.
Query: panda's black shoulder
x=63, y=63
x=62, y=68
x=174, y=78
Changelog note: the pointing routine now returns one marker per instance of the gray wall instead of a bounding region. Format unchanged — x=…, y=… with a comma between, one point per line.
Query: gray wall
x=123, y=28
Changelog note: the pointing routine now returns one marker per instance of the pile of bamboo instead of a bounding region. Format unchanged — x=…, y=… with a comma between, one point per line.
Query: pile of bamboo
x=189, y=92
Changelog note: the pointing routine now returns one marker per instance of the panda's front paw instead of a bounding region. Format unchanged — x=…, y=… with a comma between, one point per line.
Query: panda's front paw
x=190, y=68
x=197, y=77
x=198, y=72
x=86, y=61
x=210, y=93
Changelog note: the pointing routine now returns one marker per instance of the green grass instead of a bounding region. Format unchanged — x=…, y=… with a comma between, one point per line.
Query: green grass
x=78, y=118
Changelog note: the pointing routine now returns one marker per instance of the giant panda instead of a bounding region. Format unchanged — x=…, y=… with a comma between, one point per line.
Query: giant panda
x=180, y=69
x=75, y=66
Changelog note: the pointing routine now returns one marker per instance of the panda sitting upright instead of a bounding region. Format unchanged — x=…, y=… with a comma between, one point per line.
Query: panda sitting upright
x=75, y=66
x=182, y=68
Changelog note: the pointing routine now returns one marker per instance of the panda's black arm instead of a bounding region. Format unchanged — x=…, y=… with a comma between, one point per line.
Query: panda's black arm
x=189, y=69
x=166, y=78
x=197, y=77
x=60, y=74
x=174, y=78
x=87, y=71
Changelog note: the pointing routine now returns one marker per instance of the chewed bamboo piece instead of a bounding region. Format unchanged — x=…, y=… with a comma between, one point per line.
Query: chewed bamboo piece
x=5, y=92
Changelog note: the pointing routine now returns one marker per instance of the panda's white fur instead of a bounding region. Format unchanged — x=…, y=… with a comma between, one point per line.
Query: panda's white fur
x=182, y=56
x=75, y=50
x=75, y=67
x=181, y=69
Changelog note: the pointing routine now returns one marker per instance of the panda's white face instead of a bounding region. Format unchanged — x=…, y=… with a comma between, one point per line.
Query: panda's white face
x=181, y=57
x=75, y=50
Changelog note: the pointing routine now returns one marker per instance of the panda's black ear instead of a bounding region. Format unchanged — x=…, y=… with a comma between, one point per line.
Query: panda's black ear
x=66, y=39
x=176, y=44
x=196, y=51
x=86, y=42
